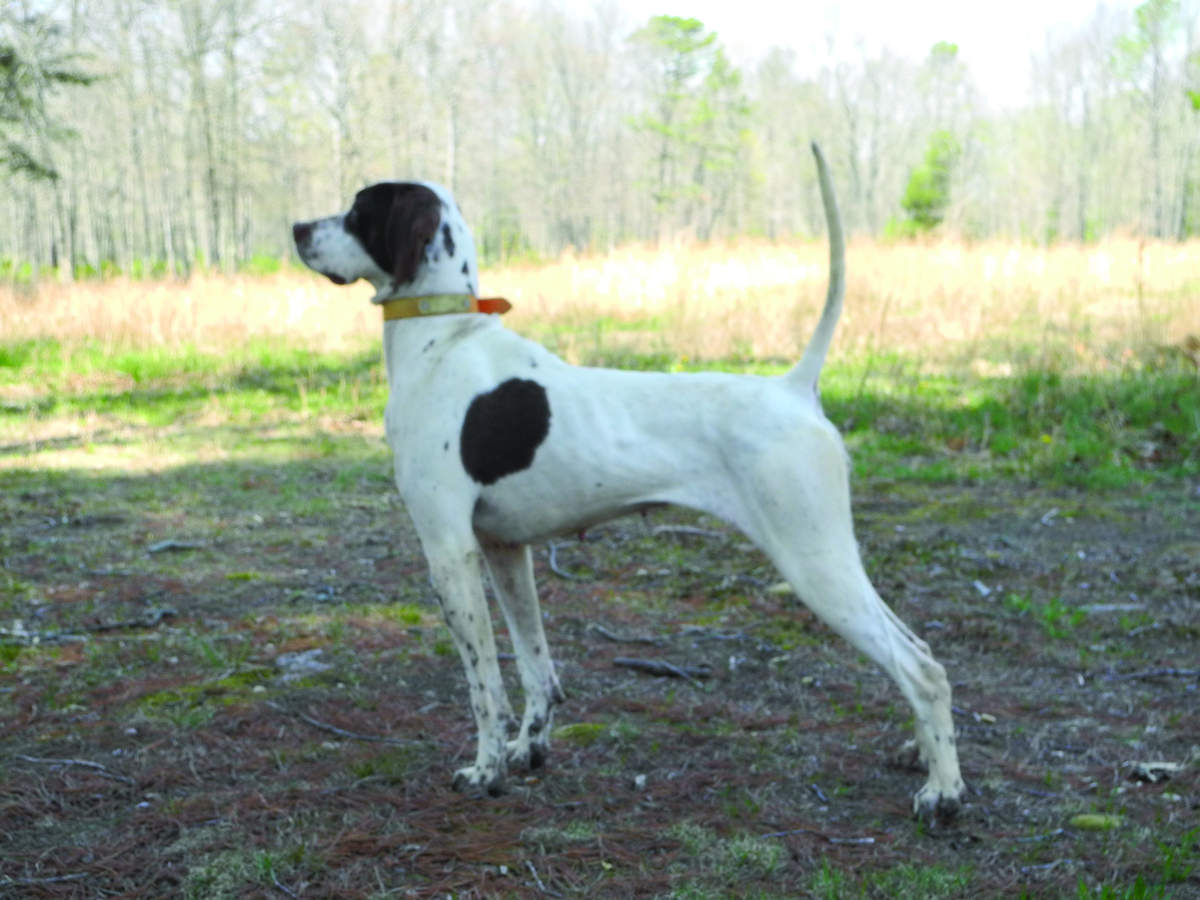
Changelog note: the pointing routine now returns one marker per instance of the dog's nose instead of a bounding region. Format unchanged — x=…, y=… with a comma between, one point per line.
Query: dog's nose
x=302, y=233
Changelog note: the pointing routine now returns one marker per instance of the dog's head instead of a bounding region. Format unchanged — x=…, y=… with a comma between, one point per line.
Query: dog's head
x=407, y=238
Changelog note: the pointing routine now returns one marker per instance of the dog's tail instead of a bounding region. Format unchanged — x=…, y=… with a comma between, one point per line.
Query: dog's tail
x=806, y=372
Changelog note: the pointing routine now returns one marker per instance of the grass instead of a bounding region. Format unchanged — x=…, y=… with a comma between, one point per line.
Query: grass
x=953, y=361
x=724, y=863
x=1090, y=430
x=1058, y=619
x=994, y=307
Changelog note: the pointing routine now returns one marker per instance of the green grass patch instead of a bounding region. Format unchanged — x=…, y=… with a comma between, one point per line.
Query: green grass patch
x=787, y=632
x=916, y=882
x=392, y=766
x=1095, y=431
x=1138, y=890
x=1179, y=859
x=581, y=734
x=406, y=615
x=1057, y=619
x=902, y=882
x=1110, y=429
x=722, y=862
x=232, y=873
x=167, y=385
x=194, y=704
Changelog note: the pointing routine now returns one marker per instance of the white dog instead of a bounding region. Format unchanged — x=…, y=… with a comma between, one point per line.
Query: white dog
x=498, y=444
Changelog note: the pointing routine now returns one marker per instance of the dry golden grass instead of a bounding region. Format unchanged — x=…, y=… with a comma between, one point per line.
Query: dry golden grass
x=939, y=302
x=209, y=311
x=942, y=302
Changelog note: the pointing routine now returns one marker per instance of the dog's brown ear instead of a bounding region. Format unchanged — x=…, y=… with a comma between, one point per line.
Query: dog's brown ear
x=411, y=225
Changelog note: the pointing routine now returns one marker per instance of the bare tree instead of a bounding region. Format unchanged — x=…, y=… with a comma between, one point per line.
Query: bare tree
x=218, y=121
x=1146, y=58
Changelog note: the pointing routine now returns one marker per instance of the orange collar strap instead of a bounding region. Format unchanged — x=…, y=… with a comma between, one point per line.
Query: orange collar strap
x=442, y=305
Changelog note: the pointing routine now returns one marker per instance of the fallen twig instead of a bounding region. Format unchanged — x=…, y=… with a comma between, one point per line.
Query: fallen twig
x=84, y=763
x=23, y=635
x=820, y=794
x=820, y=834
x=1153, y=772
x=1142, y=629
x=1042, y=837
x=685, y=529
x=660, y=667
x=538, y=881
x=560, y=572
x=150, y=621
x=1157, y=673
x=622, y=639
x=1034, y=792
x=172, y=544
x=703, y=631
x=1045, y=867
x=792, y=831
x=342, y=732
x=49, y=879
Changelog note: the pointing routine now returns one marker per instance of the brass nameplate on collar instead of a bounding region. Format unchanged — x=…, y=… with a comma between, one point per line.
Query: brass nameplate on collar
x=446, y=303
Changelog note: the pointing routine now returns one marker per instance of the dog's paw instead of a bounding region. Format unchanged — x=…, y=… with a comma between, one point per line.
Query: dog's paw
x=527, y=754
x=477, y=780
x=937, y=807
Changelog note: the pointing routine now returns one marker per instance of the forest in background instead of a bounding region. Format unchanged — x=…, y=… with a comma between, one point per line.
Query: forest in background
x=154, y=137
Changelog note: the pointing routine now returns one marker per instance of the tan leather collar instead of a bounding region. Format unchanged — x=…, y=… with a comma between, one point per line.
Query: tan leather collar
x=442, y=305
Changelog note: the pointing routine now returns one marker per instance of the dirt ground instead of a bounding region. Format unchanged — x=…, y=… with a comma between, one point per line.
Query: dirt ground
x=211, y=693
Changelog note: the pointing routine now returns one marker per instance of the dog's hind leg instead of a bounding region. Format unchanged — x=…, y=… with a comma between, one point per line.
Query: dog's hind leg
x=511, y=570
x=807, y=530
x=848, y=603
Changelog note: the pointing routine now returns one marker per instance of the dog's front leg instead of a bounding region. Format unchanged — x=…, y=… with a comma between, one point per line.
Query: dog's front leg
x=455, y=573
x=511, y=569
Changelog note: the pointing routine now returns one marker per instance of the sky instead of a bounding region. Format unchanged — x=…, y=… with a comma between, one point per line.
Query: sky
x=995, y=40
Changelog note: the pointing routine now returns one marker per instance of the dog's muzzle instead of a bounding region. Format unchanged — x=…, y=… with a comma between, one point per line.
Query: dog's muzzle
x=302, y=234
